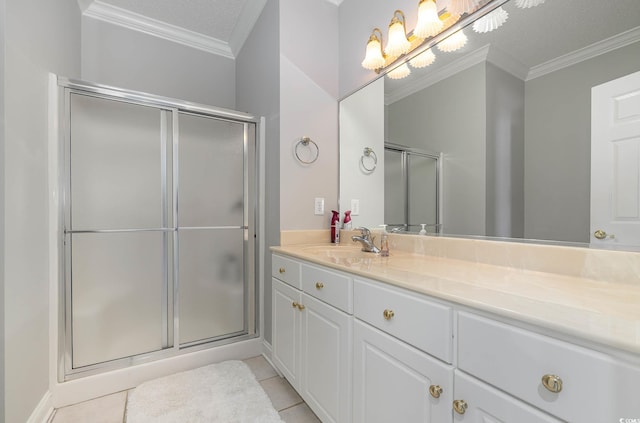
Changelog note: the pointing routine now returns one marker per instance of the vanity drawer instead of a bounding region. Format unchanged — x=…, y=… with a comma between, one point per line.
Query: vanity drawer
x=595, y=386
x=332, y=288
x=286, y=269
x=408, y=316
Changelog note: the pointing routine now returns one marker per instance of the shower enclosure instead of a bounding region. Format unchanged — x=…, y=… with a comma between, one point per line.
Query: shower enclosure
x=158, y=229
x=412, y=181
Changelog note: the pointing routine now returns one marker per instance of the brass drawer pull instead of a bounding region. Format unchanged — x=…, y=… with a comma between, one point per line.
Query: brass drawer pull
x=435, y=391
x=388, y=314
x=553, y=383
x=294, y=304
x=319, y=285
x=460, y=406
x=282, y=270
x=297, y=305
x=301, y=307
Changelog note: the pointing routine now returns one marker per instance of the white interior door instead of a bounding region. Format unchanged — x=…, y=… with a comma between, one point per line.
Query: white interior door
x=615, y=162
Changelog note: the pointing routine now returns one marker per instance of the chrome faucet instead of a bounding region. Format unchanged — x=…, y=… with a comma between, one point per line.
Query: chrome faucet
x=366, y=239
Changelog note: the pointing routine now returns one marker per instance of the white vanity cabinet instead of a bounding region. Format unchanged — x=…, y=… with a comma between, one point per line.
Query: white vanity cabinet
x=397, y=337
x=312, y=336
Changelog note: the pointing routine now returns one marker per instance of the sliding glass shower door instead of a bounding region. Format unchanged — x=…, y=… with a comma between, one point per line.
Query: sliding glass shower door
x=159, y=228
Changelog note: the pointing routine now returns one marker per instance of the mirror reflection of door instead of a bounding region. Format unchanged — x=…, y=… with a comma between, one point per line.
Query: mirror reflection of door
x=412, y=189
x=615, y=162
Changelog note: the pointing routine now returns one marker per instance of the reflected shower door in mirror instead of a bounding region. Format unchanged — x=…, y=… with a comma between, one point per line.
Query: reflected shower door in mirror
x=511, y=113
x=412, y=190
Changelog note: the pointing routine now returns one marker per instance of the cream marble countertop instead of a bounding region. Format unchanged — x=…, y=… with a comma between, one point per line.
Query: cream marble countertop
x=593, y=309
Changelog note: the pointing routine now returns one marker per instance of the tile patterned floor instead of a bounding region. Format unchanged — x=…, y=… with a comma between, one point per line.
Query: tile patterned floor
x=111, y=408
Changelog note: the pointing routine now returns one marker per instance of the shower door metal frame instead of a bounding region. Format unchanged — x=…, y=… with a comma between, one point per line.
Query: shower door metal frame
x=169, y=109
x=405, y=152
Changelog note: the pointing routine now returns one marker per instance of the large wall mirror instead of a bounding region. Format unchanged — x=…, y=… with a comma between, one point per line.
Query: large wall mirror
x=511, y=115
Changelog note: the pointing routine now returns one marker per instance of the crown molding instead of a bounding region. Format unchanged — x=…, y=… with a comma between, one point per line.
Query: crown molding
x=84, y=5
x=247, y=19
x=430, y=78
x=617, y=41
x=134, y=21
x=336, y=2
x=508, y=63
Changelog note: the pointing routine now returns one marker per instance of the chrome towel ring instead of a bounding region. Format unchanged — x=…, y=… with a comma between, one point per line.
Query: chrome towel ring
x=369, y=153
x=307, y=143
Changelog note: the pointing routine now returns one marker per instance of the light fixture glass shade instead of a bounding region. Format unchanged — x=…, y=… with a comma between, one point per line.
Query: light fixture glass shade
x=459, y=7
x=491, y=21
x=400, y=72
x=525, y=4
x=423, y=59
x=398, y=43
x=429, y=24
x=373, y=58
x=454, y=42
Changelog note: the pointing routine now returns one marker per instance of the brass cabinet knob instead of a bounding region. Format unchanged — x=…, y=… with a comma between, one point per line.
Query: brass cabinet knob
x=294, y=304
x=553, y=383
x=282, y=270
x=388, y=314
x=435, y=391
x=301, y=307
x=600, y=234
x=460, y=406
x=319, y=285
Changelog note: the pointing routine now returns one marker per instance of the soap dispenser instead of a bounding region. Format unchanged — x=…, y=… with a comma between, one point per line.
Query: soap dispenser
x=423, y=231
x=347, y=220
x=384, y=242
x=335, y=227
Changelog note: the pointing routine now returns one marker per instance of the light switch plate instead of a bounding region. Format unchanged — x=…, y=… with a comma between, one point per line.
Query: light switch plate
x=319, y=206
x=355, y=207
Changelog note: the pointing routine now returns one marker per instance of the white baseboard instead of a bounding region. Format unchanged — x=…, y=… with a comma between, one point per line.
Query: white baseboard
x=43, y=411
x=267, y=353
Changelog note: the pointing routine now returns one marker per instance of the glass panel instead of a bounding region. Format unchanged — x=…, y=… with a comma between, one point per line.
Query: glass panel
x=116, y=289
x=211, y=283
x=211, y=172
x=394, y=189
x=115, y=164
x=423, y=199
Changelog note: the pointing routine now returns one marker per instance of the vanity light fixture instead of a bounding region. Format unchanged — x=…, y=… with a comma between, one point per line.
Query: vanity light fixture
x=400, y=72
x=491, y=21
x=454, y=42
x=525, y=4
x=374, y=57
x=423, y=59
x=429, y=24
x=460, y=7
x=398, y=43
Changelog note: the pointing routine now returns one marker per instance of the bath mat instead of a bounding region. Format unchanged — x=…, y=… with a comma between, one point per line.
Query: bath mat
x=225, y=392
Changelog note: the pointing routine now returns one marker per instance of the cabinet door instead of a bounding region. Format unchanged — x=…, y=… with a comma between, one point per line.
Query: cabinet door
x=286, y=330
x=392, y=381
x=326, y=363
x=485, y=404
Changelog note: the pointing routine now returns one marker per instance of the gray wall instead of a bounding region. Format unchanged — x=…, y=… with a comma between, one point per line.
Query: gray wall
x=121, y=57
x=450, y=117
x=505, y=154
x=308, y=107
x=258, y=92
x=558, y=145
x=41, y=36
x=2, y=144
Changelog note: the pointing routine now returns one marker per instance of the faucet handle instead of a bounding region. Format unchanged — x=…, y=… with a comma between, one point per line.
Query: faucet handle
x=365, y=232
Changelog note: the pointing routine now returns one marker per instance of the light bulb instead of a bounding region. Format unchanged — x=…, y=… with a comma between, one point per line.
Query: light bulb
x=525, y=4
x=400, y=72
x=373, y=58
x=398, y=43
x=453, y=42
x=459, y=7
x=429, y=24
x=491, y=21
x=422, y=60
